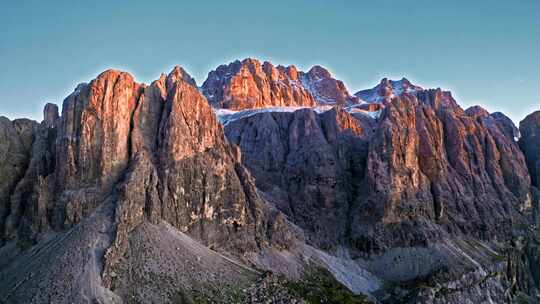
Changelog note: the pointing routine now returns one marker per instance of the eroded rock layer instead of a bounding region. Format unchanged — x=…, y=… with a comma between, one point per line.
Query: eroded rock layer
x=250, y=84
x=429, y=168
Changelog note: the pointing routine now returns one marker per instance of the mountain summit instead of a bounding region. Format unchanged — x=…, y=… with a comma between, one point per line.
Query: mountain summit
x=388, y=89
x=250, y=84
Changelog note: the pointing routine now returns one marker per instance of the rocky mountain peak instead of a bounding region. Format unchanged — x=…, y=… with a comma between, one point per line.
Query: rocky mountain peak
x=530, y=144
x=477, y=111
x=178, y=73
x=50, y=114
x=388, y=89
x=250, y=84
x=318, y=71
x=506, y=125
x=326, y=89
x=292, y=71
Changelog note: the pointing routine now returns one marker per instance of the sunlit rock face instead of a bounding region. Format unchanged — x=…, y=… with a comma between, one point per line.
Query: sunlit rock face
x=251, y=84
x=93, y=142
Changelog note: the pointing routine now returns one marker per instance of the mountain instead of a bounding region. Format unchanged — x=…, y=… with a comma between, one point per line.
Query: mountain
x=386, y=90
x=325, y=89
x=249, y=84
x=267, y=185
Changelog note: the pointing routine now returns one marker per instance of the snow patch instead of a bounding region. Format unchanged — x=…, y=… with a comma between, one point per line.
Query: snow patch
x=374, y=114
x=355, y=109
x=225, y=116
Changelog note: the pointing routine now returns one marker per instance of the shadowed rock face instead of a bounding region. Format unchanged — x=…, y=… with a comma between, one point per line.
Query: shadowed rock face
x=307, y=164
x=429, y=163
x=530, y=144
x=506, y=125
x=429, y=169
x=406, y=187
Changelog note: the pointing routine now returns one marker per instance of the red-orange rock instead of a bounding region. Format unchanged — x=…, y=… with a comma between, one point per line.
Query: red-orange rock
x=325, y=89
x=248, y=84
x=95, y=131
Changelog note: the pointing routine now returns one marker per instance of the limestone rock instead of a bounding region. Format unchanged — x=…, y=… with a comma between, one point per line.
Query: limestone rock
x=93, y=140
x=50, y=114
x=15, y=144
x=138, y=193
x=307, y=164
x=530, y=144
x=250, y=84
x=386, y=90
x=325, y=89
x=431, y=162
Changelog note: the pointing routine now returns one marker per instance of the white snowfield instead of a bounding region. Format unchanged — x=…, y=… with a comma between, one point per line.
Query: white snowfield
x=226, y=116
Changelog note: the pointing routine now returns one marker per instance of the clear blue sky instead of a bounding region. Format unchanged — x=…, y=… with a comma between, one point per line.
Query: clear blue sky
x=486, y=52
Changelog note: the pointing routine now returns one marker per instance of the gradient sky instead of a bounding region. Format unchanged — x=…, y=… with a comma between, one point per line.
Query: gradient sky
x=485, y=52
